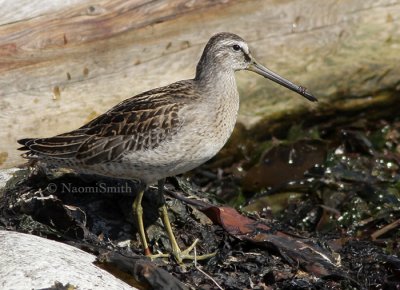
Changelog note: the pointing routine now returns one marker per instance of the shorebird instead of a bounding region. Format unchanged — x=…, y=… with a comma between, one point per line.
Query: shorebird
x=162, y=132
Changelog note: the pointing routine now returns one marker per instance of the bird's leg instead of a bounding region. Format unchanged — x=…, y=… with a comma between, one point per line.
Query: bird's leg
x=176, y=251
x=163, y=212
x=138, y=213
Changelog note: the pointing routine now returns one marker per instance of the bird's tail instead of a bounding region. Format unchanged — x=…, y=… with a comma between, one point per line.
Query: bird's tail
x=60, y=146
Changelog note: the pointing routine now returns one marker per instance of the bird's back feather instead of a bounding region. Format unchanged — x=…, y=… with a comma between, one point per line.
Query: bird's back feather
x=138, y=123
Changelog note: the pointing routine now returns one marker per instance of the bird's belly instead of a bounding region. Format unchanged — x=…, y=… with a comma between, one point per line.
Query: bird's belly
x=179, y=155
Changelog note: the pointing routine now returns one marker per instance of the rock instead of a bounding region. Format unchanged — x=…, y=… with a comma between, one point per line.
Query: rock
x=31, y=262
x=5, y=176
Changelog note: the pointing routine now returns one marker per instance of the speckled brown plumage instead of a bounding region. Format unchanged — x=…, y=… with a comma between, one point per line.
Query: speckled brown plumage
x=139, y=123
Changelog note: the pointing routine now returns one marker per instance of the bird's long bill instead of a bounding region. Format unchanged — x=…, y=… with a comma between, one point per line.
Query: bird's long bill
x=261, y=70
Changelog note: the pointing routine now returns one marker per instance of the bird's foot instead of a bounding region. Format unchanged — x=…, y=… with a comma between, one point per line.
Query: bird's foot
x=181, y=256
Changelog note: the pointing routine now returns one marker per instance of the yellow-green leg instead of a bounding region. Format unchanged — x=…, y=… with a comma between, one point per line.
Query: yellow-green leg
x=138, y=213
x=176, y=251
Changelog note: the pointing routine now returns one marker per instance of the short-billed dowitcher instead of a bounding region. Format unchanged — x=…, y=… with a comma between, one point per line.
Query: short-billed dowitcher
x=162, y=132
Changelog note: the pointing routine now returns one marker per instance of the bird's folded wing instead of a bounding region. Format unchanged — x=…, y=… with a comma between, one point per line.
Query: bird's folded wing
x=140, y=123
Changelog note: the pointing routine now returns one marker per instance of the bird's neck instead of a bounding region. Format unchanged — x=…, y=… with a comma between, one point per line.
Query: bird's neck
x=217, y=82
x=220, y=100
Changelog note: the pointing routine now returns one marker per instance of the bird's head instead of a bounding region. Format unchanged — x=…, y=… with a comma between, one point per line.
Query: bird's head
x=229, y=52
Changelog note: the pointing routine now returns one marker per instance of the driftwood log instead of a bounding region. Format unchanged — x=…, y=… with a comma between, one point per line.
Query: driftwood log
x=64, y=62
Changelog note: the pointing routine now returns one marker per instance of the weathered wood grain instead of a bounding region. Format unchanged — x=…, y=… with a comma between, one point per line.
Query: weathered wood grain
x=64, y=62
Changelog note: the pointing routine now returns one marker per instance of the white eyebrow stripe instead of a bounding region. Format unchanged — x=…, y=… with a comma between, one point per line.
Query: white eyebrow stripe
x=242, y=45
x=245, y=48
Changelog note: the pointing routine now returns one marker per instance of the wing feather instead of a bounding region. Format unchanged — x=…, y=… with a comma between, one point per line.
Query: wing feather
x=142, y=122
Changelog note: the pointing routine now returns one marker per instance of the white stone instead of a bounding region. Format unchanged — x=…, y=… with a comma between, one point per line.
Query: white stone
x=30, y=262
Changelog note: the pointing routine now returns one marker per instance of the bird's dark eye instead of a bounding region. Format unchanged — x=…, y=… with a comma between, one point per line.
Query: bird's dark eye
x=236, y=47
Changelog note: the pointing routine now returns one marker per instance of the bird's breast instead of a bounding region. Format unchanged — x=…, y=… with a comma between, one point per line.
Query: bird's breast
x=211, y=129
